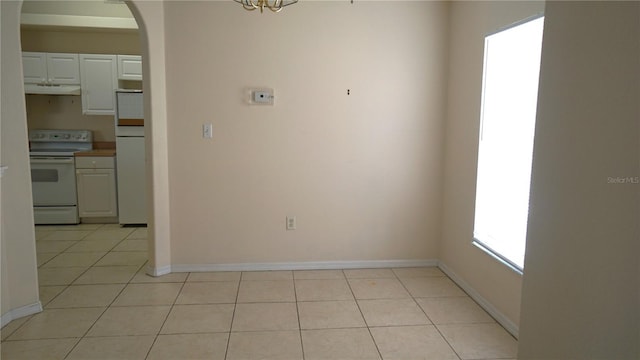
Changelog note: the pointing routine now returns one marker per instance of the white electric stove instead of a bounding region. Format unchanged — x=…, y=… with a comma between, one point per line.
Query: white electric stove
x=53, y=173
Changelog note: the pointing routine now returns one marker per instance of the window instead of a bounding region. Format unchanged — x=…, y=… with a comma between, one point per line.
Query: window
x=509, y=100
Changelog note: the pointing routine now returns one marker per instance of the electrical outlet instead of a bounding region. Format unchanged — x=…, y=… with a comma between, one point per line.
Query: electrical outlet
x=291, y=222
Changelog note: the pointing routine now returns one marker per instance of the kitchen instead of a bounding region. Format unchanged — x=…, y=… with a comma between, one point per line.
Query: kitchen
x=109, y=159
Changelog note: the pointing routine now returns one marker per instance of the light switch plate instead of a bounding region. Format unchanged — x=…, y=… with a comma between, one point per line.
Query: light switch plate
x=207, y=131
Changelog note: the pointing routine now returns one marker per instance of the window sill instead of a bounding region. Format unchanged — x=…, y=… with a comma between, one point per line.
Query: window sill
x=497, y=257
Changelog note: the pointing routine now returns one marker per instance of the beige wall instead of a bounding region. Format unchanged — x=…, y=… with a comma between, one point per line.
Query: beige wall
x=361, y=172
x=493, y=284
x=582, y=274
x=65, y=112
x=19, y=275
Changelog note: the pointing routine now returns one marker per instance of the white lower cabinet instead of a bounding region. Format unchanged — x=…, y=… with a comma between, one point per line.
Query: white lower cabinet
x=96, y=184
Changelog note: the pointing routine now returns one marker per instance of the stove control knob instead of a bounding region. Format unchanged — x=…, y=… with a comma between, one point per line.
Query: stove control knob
x=67, y=136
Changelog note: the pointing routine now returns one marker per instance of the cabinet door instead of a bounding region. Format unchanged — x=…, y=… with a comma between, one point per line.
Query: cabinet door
x=96, y=192
x=34, y=67
x=63, y=68
x=98, y=83
x=129, y=67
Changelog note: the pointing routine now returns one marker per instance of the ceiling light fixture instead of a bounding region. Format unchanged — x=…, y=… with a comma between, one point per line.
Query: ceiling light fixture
x=273, y=5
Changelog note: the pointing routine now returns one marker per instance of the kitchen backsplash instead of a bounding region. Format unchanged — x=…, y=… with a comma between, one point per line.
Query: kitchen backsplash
x=65, y=112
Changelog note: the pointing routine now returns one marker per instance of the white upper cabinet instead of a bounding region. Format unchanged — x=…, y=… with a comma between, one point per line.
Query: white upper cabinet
x=98, y=82
x=129, y=67
x=34, y=67
x=50, y=68
x=63, y=68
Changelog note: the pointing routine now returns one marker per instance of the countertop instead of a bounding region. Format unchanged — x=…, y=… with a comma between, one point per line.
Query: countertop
x=100, y=148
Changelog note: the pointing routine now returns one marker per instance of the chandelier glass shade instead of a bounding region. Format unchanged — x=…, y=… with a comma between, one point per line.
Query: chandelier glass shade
x=273, y=5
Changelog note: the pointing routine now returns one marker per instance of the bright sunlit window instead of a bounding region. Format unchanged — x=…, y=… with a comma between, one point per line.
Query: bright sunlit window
x=509, y=99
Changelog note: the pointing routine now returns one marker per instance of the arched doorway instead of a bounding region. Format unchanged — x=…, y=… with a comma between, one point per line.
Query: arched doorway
x=20, y=295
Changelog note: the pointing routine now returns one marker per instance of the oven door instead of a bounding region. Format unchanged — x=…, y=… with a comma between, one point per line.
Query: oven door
x=53, y=181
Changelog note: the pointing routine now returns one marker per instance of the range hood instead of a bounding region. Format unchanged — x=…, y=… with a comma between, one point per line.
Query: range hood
x=52, y=89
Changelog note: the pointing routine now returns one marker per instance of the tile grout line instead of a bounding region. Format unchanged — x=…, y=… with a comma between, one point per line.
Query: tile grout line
x=66, y=286
x=425, y=314
x=233, y=316
x=166, y=317
x=362, y=315
x=295, y=294
x=99, y=317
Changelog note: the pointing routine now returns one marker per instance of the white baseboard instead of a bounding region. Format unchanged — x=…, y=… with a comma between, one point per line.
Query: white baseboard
x=509, y=325
x=159, y=271
x=312, y=265
x=20, y=312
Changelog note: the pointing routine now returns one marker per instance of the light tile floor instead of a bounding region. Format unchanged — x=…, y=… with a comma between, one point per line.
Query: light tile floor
x=99, y=304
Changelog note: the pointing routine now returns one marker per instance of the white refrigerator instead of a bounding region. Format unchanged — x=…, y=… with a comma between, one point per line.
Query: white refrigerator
x=130, y=158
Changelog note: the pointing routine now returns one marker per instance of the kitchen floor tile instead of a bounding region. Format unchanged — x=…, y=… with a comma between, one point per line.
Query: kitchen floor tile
x=59, y=276
x=369, y=274
x=58, y=323
x=480, y=341
x=454, y=310
x=198, y=319
x=214, y=276
x=107, y=275
x=48, y=293
x=432, y=287
x=77, y=296
x=132, y=245
x=93, y=245
x=42, y=258
x=378, y=289
x=338, y=344
x=418, y=272
x=52, y=349
x=74, y=259
x=267, y=275
x=116, y=234
x=266, y=291
x=57, y=246
x=110, y=348
x=221, y=292
x=412, y=342
x=67, y=235
x=11, y=327
x=267, y=345
x=265, y=316
x=318, y=274
x=133, y=320
x=123, y=258
x=323, y=290
x=392, y=312
x=41, y=234
x=189, y=346
x=138, y=233
x=330, y=315
x=148, y=294
x=142, y=277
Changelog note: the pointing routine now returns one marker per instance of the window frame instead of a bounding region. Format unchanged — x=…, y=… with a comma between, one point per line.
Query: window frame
x=482, y=245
